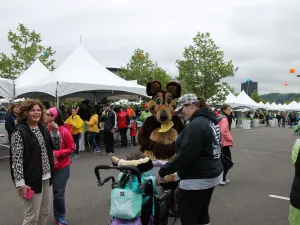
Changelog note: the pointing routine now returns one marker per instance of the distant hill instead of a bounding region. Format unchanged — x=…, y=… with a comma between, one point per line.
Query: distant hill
x=281, y=98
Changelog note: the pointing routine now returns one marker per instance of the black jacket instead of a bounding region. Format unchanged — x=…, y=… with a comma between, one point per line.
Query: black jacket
x=10, y=123
x=197, y=149
x=32, y=159
x=295, y=192
x=110, y=120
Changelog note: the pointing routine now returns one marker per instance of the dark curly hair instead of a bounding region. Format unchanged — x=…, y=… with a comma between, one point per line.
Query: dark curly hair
x=26, y=107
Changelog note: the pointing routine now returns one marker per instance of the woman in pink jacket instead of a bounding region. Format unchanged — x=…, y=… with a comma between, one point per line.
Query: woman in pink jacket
x=62, y=163
x=226, y=139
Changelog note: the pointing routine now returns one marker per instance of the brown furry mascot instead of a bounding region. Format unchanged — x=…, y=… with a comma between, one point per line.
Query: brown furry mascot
x=158, y=133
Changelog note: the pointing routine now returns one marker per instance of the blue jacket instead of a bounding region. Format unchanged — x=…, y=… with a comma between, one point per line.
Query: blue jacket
x=10, y=123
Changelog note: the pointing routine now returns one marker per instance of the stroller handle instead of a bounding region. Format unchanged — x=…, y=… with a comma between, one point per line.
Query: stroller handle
x=132, y=169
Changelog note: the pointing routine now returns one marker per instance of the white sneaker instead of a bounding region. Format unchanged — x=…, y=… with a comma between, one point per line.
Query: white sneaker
x=223, y=183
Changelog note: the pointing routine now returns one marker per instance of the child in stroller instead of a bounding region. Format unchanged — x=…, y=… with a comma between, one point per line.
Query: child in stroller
x=150, y=205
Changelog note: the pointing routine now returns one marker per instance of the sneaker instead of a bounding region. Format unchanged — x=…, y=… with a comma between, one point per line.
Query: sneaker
x=104, y=153
x=97, y=151
x=223, y=183
x=60, y=221
x=75, y=156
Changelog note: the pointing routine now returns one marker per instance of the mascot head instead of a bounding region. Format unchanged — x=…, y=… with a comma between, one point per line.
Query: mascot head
x=163, y=102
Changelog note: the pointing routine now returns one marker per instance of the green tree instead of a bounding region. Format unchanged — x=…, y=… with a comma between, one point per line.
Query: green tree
x=27, y=48
x=142, y=69
x=203, y=68
x=230, y=88
x=255, y=96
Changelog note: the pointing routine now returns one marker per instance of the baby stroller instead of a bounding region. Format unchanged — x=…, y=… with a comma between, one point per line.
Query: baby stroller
x=138, y=204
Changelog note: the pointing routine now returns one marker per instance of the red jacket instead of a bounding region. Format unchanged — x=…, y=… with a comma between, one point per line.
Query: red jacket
x=67, y=148
x=122, y=118
x=133, y=130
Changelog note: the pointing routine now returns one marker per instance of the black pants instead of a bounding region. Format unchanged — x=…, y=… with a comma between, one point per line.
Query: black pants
x=109, y=141
x=227, y=153
x=123, y=133
x=193, y=206
x=76, y=138
x=133, y=141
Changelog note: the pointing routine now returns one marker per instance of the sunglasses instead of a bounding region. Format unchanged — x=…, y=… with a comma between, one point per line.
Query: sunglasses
x=49, y=114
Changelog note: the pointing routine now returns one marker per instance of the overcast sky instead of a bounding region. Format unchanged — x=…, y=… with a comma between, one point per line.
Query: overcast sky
x=261, y=36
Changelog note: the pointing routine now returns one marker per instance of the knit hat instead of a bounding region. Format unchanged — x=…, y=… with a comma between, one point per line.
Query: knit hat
x=54, y=112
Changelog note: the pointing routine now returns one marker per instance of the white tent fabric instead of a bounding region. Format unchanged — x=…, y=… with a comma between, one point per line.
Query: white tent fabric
x=36, y=72
x=6, y=89
x=80, y=75
x=273, y=106
x=293, y=106
x=243, y=100
x=261, y=105
x=229, y=98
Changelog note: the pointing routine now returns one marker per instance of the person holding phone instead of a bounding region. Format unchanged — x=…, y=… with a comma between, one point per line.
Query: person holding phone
x=32, y=162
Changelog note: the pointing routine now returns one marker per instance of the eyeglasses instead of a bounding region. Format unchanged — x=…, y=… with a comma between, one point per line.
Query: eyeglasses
x=49, y=114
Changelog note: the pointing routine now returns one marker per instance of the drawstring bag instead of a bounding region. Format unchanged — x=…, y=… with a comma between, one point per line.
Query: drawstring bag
x=125, y=203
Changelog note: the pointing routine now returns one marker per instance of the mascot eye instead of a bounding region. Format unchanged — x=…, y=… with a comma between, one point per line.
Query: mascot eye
x=169, y=101
x=158, y=101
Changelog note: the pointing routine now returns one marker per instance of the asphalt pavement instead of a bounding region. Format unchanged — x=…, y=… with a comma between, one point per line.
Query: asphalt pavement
x=262, y=167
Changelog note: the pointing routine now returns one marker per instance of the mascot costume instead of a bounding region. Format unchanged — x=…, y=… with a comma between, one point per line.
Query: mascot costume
x=158, y=133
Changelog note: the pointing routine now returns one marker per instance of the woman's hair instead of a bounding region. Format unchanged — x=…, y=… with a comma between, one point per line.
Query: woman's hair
x=13, y=106
x=201, y=104
x=225, y=107
x=59, y=120
x=26, y=107
x=94, y=111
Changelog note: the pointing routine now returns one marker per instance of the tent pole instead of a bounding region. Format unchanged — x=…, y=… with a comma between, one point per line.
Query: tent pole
x=57, y=98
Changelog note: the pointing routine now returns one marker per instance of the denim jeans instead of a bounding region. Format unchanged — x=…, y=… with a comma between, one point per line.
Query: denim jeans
x=59, y=181
x=76, y=138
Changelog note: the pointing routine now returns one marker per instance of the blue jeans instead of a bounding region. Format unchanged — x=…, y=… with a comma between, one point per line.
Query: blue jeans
x=59, y=182
x=76, y=138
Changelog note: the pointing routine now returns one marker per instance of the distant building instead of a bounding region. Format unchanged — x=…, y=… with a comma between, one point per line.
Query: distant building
x=248, y=87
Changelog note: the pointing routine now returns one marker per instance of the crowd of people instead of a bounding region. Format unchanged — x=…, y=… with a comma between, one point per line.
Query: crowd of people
x=42, y=141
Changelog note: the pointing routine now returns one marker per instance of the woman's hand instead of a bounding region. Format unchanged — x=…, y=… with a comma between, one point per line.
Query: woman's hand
x=23, y=191
x=159, y=180
x=54, y=127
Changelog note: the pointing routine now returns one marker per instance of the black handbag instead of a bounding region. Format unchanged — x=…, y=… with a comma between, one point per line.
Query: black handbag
x=227, y=163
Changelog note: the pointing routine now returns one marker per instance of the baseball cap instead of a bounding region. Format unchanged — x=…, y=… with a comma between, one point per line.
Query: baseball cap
x=184, y=100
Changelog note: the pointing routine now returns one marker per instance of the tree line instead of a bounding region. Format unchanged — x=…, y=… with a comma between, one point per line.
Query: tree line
x=201, y=68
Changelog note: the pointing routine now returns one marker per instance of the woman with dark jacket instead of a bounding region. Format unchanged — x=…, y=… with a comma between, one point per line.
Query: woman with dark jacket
x=10, y=121
x=197, y=161
x=32, y=148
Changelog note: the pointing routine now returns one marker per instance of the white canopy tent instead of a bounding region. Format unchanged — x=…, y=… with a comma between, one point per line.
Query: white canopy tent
x=80, y=75
x=36, y=72
x=293, y=106
x=229, y=98
x=6, y=89
x=243, y=100
x=261, y=105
